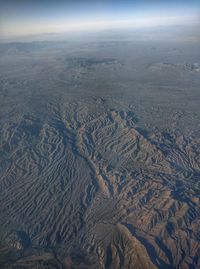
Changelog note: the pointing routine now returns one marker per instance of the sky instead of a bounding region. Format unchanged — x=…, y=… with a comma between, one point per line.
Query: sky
x=27, y=17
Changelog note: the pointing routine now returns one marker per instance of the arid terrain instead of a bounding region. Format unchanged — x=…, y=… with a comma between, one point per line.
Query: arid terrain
x=100, y=153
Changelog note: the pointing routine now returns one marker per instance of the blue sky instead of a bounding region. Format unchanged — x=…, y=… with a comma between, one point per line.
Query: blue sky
x=22, y=17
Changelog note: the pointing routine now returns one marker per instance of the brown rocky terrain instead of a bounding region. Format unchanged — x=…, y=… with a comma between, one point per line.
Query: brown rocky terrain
x=98, y=170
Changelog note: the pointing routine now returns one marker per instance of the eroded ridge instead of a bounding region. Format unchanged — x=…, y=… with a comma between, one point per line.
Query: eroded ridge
x=88, y=176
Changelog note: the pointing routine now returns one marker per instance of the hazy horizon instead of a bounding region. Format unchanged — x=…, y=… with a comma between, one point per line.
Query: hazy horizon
x=24, y=18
